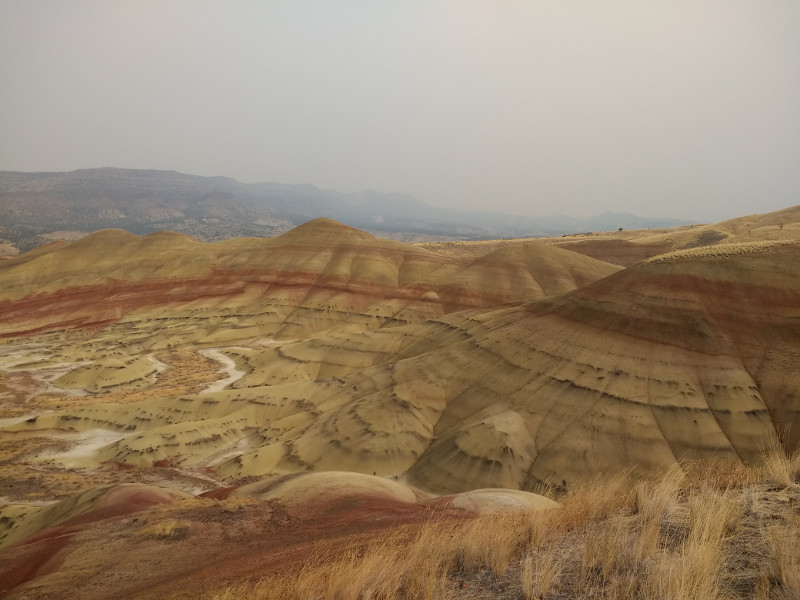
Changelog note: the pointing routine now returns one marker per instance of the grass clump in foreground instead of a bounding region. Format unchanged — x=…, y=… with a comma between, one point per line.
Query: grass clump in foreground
x=713, y=530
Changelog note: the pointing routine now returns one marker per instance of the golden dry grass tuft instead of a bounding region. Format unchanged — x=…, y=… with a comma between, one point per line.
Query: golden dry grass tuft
x=715, y=530
x=784, y=558
x=166, y=529
x=780, y=468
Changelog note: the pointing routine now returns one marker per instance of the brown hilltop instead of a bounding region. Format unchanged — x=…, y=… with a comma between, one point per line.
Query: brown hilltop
x=324, y=228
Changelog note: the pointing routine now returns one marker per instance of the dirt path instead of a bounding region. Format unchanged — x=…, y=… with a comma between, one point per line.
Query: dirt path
x=229, y=366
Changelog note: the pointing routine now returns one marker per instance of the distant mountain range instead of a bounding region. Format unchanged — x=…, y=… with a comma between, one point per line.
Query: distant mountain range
x=38, y=207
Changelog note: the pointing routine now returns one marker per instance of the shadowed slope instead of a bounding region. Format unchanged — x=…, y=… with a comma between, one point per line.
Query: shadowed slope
x=683, y=357
x=686, y=356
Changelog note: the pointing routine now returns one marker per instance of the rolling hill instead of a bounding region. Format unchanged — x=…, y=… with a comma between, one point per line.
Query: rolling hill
x=328, y=374
x=318, y=276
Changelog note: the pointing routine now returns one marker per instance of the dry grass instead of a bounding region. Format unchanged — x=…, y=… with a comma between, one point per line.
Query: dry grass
x=716, y=530
x=540, y=573
x=778, y=467
x=166, y=529
x=729, y=250
x=784, y=557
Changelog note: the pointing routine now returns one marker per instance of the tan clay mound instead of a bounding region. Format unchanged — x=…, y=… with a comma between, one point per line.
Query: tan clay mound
x=302, y=489
x=319, y=276
x=494, y=501
x=301, y=492
x=515, y=271
x=93, y=505
x=110, y=374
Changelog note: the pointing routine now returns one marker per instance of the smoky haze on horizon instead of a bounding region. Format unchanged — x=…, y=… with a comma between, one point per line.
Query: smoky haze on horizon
x=685, y=109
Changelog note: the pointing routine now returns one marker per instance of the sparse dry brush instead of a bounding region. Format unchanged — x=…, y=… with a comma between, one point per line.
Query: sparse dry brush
x=711, y=530
x=165, y=529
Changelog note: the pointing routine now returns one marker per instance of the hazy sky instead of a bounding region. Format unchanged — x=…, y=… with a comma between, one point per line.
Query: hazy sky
x=662, y=108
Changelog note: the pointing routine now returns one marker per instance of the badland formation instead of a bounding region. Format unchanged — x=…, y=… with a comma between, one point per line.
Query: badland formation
x=186, y=419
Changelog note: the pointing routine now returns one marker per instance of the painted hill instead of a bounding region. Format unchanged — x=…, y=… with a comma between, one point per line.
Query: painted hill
x=683, y=356
x=315, y=277
x=162, y=396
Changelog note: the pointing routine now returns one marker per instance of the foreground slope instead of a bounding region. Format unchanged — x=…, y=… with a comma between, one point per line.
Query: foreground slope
x=718, y=530
x=140, y=541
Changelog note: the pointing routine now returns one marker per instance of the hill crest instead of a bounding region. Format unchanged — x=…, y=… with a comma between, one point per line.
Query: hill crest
x=322, y=265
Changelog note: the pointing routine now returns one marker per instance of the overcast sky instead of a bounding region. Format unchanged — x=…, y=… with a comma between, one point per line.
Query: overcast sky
x=672, y=108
